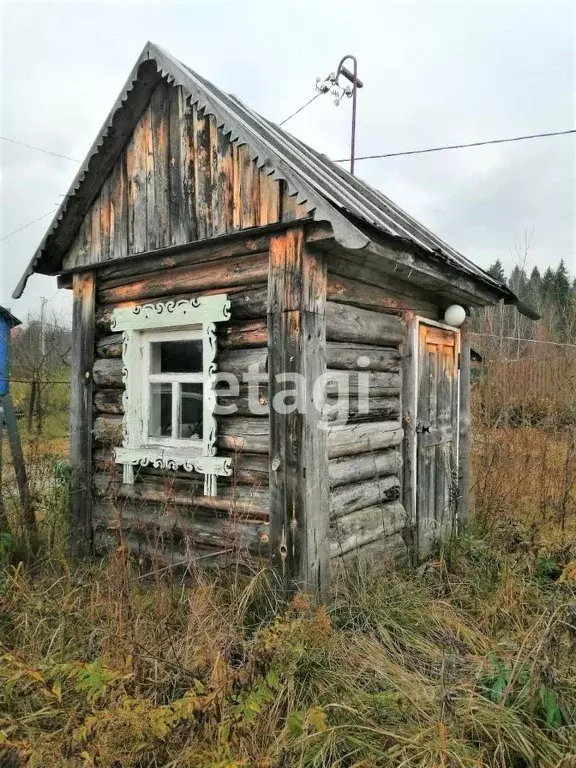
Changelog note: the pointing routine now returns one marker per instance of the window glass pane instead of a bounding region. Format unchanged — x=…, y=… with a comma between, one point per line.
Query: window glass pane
x=176, y=356
x=160, y=423
x=190, y=411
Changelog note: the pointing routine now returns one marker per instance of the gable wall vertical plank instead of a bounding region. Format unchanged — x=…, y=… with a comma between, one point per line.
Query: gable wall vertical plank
x=248, y=182
x=225, y=183
x=158, y=219
x=236, y=197
x=136, y=168
x=177, y=193
x=95, y=250
x=105, y=220
x=119, y=210
x=202, y=176
x=189, y=170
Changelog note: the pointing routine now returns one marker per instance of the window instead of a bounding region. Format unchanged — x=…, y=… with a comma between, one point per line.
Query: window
x=169, y=358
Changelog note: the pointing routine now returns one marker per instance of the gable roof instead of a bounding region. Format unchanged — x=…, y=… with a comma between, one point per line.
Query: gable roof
x=328, y=192
x=9, y=318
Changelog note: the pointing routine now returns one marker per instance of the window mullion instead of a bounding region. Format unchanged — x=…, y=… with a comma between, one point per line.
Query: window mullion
x=176, y=401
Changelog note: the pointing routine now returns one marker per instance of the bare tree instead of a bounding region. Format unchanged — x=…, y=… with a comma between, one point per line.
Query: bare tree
x=40, y=356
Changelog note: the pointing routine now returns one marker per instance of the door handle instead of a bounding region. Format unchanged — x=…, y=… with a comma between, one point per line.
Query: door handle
x=422, y=427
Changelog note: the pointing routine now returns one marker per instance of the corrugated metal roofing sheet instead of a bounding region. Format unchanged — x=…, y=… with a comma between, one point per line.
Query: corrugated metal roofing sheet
x=328, y=191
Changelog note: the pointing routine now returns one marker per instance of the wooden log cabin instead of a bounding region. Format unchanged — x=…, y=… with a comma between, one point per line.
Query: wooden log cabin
x=232, y=288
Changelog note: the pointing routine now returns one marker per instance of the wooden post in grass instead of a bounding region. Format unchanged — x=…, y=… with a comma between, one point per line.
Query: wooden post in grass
x=83, y=312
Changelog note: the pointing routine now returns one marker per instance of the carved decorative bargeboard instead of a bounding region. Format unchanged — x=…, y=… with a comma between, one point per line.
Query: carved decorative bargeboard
x=138, y=449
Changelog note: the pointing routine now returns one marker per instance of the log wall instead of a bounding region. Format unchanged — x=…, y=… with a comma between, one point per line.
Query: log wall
x=165, y=514
x=367, y=334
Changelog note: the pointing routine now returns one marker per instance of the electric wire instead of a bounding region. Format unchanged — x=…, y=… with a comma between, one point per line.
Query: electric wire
x=39, y=149
x=459, y=146
x=29, y=224
x=320, y=93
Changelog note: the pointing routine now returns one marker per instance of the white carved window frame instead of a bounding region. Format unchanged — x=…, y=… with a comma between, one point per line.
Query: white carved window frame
x=169, y=320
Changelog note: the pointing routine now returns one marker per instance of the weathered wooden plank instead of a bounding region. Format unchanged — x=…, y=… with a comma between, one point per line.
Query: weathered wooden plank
x=224, y=185
x=189, y=169
x=291, y=209
x=365, y=493
x=105, y=219
x=350, y=439
x=158, y=221
x=109, y=346
x=269, y=203
x=249, y=188
x=247, y=270
x=119, y=210
x=348, y=469
x=136, y=173
x=83, y=305
x=202, y=176
x=177, y=194
x=299, y=460
x=365, y=526
x=354, y=357
x=363, y=326
x=95, y=245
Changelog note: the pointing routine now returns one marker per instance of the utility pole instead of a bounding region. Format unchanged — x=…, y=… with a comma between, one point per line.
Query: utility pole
x=331, y=83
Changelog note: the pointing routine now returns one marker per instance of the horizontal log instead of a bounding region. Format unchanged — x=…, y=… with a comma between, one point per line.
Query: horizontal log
x=108, y=401
x=174, y=493
x=341, y=411
x=374, y=290
x=120, y=272
x=108, y=430
x=366, y=493
x=107, y=373
x=244, y=304
x=344, y=356
x=250, y=435
x=349, y=469
x=248, y=270
x=385, y=552
x=250, y=333
x=109, y=346
x=378, y=384
x=346, y=323
x=240, y=361
x=151, y=523
x=351, y=439
x=365, y=526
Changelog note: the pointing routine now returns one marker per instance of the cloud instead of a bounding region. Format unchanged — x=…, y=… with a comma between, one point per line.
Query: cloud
x=434, y=73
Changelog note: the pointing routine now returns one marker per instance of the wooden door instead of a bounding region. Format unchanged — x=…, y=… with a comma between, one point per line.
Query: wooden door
x=437, y=433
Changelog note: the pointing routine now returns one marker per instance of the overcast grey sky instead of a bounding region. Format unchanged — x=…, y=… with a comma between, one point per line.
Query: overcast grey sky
x=434, y=72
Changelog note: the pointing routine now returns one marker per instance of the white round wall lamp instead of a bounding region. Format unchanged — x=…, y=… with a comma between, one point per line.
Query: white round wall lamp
x=455, y=315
